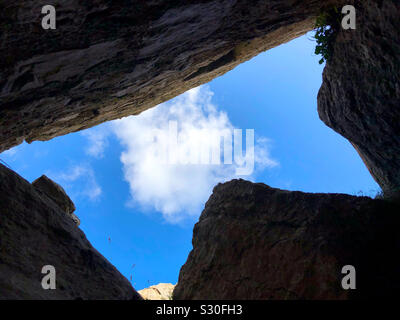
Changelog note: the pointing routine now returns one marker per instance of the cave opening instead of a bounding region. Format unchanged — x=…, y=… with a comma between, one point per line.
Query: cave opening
x=140, y=217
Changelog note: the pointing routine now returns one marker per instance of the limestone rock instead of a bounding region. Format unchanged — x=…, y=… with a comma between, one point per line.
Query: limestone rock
x=360, y=94
x=35, y=232
x=257, y=242
x=56, y=193
x=110, y=59
x=161, y=291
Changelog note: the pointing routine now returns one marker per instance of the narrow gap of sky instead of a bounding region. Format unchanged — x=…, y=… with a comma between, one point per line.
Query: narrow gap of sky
x=141, y=218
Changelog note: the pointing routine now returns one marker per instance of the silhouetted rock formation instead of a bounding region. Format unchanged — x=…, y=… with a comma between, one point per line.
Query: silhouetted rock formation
x=110, y=59
x=57, y=194
x=36, y=231
x=257, y=242
x=360, y=94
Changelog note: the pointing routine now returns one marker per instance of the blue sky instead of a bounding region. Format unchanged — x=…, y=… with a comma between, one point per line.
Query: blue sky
x=140, y=214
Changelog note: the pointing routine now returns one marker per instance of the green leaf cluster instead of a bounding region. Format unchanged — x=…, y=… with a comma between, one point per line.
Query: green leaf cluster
x=326, y=28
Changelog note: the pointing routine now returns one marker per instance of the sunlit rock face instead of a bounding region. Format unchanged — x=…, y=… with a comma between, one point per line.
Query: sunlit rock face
x=109, y=59
x=360, y=94
x=35, y=231
x=257, y=242
x=161, y=291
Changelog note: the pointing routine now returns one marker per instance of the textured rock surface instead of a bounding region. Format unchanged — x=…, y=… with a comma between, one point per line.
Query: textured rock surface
x=34, y=232
x=109, y=59
x=360, y=94
x=57, y=194
x=256, y=242
x=162, y=291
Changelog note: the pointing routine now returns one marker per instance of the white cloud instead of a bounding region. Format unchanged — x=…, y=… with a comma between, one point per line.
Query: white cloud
x=79, y=181
x=262, y=154
x=97, y=141
x=10, y=152
x=177, y=191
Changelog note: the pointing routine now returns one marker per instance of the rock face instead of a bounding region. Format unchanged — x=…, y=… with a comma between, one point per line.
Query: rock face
x=58, y=195
x=110, y=59
x=256, y=242
x=36, y=231
x=162, y=291
x=360, y=94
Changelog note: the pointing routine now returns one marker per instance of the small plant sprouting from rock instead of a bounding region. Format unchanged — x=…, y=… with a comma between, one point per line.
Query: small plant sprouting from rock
x=327, y=26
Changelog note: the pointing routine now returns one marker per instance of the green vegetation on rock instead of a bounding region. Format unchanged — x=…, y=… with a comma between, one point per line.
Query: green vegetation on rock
x=327, y=26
